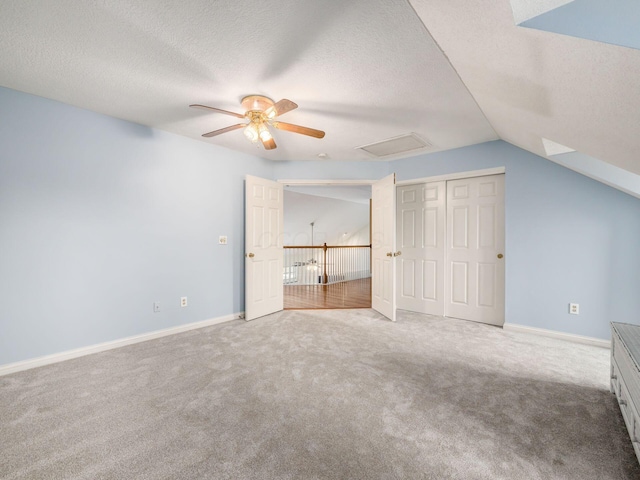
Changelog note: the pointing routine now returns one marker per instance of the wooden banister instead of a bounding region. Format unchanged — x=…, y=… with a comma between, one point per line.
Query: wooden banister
x=327, y=246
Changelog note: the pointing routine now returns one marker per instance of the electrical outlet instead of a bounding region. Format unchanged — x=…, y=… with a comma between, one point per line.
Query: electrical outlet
x=183, y=301
x=156, y=307
x=222, y=239
x=574, y=308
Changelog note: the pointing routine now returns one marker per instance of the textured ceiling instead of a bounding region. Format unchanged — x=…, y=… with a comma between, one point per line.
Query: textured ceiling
x=363, y=71
x=526, y=9
x=532, y=84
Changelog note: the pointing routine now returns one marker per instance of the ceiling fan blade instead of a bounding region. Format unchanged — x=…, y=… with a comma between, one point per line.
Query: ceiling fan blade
x=280, y=108
x=290, y=127
x=224, y=130
x=269, y=144
x=226, y=112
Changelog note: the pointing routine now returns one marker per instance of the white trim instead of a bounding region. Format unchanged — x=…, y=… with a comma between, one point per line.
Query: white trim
x=570, y=337
x=597, y=178
x=438, y=178
x=292, y=182
x=455, y=176
x=101, y=347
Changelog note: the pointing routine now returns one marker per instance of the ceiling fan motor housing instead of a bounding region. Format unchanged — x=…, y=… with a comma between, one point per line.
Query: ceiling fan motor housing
x=256, y=103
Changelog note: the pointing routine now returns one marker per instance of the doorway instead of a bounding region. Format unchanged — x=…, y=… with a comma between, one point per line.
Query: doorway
x=327, y=246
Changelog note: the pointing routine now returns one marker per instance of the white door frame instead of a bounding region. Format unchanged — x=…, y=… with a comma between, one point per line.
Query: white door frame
x=316, y=183
x=324, y=183
x=454, y=176
x=436, y=178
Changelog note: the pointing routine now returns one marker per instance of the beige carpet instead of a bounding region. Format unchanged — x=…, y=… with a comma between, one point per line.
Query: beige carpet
x=321, y=394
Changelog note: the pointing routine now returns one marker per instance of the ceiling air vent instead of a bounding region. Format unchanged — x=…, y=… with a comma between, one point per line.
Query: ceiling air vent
x=395, y=145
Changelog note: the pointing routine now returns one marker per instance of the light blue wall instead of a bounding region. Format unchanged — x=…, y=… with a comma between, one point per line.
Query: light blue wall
x=100, y=217
x=601, y=21
x=330, y=170
x=568, y=239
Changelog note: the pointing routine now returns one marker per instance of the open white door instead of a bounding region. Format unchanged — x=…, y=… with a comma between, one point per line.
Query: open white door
x=383, y=253
x=263, y=247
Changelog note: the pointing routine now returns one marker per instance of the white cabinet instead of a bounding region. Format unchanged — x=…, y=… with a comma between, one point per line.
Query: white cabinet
x=625, y=376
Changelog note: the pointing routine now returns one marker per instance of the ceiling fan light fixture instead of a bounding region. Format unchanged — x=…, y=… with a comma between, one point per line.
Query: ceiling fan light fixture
x=265, y=134
x=260, y=111
x=258, y=103
x=251, y=132
x=270, y=113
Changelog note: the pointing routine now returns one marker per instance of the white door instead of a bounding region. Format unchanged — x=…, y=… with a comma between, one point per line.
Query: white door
x=383, y=253
x=420, y=236
x=263, y=247
x=475, y=249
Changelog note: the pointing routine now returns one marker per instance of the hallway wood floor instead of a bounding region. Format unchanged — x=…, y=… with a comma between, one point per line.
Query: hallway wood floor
x=352, y=294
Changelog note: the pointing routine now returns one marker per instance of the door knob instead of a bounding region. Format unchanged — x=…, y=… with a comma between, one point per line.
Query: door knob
x=397, y=254
x=250, y=255
x=389, y=254
x=500, y=255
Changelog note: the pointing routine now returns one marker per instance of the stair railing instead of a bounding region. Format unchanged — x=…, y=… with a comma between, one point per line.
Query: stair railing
x=326, y=264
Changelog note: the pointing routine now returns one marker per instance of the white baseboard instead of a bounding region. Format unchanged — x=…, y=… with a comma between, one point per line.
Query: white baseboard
x=101, y=347
x=597, y=342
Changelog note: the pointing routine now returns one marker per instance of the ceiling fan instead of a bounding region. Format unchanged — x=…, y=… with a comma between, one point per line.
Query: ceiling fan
x=261, y=112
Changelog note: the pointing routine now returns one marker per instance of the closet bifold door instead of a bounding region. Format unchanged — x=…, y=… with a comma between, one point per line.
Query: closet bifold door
x=420, y=235
x=475, y=257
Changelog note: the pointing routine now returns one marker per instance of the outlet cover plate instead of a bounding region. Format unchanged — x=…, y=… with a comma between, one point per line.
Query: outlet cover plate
x=222, y=239
x=183, y=301
x=574, y=308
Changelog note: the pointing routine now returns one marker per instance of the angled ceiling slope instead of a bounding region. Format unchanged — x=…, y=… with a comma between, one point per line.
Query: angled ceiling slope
x=534, y=85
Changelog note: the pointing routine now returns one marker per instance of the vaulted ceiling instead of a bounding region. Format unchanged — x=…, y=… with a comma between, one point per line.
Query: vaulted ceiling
x=454, y=72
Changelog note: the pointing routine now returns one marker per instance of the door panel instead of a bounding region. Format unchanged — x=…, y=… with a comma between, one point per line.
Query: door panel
x=383, y=232
x=408, y=272
x=486, y=226
x=459, y=282
x=431, y=229
x=263, y=247
x=475, y=215
x=460, y=227
x=408, y=237
x=430, y=280
x=487, y=284
x=421, y=239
